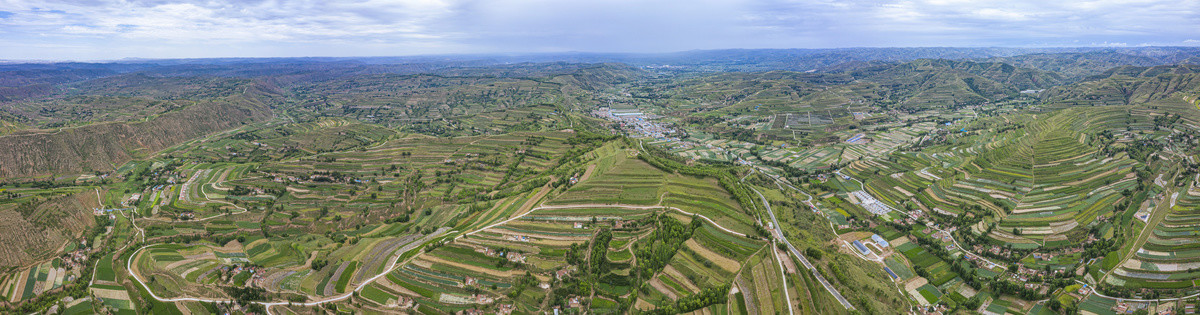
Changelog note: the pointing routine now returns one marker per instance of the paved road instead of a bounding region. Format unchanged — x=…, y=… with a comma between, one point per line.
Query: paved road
x=929, y=225
x=392, y=265
x=714, y=223
x=1093, y=292
x=779, y=235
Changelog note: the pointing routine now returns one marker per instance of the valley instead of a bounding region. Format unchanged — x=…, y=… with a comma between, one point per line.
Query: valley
x=986, y=184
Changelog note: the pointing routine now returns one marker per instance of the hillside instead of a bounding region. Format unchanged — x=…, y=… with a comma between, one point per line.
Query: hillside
x=736, y=182
x=1077, y=66
x=103, y=146
x=942, y=83
x=36, y=229
x=1128, y=85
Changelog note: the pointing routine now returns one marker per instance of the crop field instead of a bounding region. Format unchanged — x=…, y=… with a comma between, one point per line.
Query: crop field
x=783, y=91
x=178, y=270
x=1097, y=305
x=758, y=284
x=1170, y=258
x=389, y=181
x=493, y=265
x=115, y=297
x=882, y=143
x=1043, y=188
x=31, y=282
x=619, y=179
x=489, y=262
x=987, y=180
x=276, y=264
x=938, y=270
x=709, y=259
x=518, y=119
x=427, y=97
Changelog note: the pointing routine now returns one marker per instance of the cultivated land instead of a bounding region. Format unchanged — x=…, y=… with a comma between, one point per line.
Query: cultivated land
x=899, y=185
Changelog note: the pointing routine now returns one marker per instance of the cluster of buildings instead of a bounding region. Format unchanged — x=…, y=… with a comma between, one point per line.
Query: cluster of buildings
x=638, y=123
x=573, y=301
x=402, y=302
x=109, y=211
x=76, y=259
x=515, y=257
x=936, y=309
x=995, y=250
x=561, y=273
x=511, y=256
x=1129, y=308
x=520, y=238
x=256, y=273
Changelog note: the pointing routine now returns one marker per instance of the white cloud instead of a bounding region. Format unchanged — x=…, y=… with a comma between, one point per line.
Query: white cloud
x=204, y=28
x=998, y=14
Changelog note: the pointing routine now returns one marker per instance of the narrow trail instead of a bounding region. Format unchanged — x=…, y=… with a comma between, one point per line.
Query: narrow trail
x=803, y=260
x=781, y=182
x=1119, y=299
x=792, y=249
x=931, y=226
x=636, y=207
x=1160, y=211
x=395, y=259
x=392, y=265
x=787, y=296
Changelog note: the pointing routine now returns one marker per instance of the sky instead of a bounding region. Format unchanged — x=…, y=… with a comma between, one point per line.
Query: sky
x=106, y=30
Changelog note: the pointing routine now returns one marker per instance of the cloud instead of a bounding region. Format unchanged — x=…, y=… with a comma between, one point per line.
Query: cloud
x=211, y=28
x=998, y=14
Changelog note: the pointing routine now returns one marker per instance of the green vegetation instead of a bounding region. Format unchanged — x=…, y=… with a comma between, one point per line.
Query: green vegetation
x=448, y=186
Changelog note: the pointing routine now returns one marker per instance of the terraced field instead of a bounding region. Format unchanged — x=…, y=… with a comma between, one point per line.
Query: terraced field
x=450, y=186
x=1042, y=186
x=544, y=257
x=1170, y=257
x=31, y=282
x=621, y=179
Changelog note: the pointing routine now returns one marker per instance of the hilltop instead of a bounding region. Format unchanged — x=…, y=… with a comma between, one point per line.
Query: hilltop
x=825, y=181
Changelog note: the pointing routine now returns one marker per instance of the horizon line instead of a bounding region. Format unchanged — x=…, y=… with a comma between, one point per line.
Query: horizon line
x=535, y=53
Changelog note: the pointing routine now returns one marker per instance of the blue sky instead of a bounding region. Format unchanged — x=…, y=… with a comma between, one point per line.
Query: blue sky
x=101, y=29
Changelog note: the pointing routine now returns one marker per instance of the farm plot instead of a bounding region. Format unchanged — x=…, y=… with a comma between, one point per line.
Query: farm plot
x=456, y=178
x=1045, y=182
x=512, y=262
x=35, y=280
x=489, y=265
x=627, y=181
x=1170, y=257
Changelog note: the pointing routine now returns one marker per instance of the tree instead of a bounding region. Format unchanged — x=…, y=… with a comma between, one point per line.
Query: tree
x=814, y=253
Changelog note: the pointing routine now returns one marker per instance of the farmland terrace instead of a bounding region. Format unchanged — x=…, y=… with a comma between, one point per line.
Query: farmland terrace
x=805, y=182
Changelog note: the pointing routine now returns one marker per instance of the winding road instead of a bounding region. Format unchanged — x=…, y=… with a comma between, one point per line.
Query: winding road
x=392, y=265
x=779, y=235
x=929, y=225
